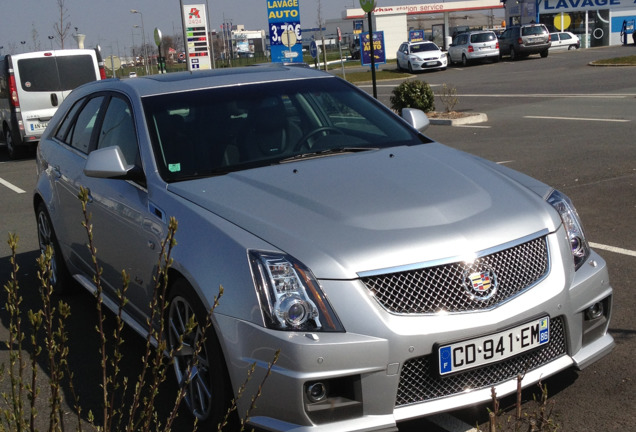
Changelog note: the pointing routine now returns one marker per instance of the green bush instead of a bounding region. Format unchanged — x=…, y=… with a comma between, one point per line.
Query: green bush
x=413, y=94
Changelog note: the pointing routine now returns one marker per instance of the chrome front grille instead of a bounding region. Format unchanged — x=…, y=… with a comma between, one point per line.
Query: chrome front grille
x=420, y=381
x=444, y=288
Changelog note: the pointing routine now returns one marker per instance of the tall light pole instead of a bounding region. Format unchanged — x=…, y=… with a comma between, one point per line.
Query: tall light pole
x=143, y=38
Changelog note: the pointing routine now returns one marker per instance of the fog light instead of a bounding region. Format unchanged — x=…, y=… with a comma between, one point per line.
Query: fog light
x=595, y=311
x=316, y=392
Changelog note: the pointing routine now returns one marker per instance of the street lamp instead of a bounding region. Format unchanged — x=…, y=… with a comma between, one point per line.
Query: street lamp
x=51, y=39
x=143, y=38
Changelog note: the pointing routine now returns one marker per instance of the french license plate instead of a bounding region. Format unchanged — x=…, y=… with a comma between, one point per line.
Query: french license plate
x=484, y=350
x=431, y=63
x=37, y=126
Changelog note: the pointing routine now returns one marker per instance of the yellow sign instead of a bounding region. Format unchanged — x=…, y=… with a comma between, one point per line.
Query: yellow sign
x=562, y=24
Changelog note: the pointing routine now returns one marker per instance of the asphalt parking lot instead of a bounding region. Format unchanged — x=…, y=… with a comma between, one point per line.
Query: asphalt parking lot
x=558, y=119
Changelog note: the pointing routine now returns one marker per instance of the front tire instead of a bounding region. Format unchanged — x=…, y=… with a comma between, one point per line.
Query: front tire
x=513, y=54
x=60, y=280
x=208, y=393
x=411, y=68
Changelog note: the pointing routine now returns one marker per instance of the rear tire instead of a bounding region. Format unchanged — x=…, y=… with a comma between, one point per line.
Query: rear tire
x=513, y=54
x=544, y=54
x=209, y=392
x=464, y=60
x=14, y=150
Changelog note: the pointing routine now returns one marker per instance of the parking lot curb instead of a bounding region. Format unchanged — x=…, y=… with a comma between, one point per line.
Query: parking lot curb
x=468, y=119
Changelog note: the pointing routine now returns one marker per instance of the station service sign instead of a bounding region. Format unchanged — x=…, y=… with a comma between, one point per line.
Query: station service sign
x=195, y=26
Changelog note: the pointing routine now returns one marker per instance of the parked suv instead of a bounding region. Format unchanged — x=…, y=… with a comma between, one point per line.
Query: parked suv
x=472, y=46
x=521, y=41
x=33, y=84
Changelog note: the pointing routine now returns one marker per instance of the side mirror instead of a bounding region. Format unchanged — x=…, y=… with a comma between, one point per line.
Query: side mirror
x=416, y=118
x=108, y=162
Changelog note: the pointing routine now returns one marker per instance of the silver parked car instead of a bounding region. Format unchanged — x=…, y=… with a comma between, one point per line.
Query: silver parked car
x=398, y=277
x=473, y=46
x=522, y=41
x=418, y=56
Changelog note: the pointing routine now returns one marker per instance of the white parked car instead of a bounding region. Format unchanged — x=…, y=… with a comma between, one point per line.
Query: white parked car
x=472, y=46
x=418, y=56
x=564, y=40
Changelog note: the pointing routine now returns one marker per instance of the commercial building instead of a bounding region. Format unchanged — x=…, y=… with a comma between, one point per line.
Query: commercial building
x=394, y=20
x=596, y=22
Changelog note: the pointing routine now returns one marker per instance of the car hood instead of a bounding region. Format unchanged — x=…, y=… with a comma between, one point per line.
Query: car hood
x=347, y=214
x=427, y=54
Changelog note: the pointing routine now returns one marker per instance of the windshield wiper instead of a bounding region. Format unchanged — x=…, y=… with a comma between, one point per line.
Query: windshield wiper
x=327, y=152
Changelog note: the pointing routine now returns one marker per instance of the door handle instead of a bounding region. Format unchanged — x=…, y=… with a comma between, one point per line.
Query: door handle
x=55, y=170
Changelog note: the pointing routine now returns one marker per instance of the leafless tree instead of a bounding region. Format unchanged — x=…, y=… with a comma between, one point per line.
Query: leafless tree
x=64, y=25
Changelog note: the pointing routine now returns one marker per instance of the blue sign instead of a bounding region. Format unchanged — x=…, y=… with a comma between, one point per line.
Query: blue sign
x=416, y=36
x=379, y=52
x=285, y=35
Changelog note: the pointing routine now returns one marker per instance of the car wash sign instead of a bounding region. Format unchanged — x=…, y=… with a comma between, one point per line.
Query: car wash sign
x=285, y=36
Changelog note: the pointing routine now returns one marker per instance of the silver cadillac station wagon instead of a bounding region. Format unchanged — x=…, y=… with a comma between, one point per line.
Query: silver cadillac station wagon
x=398, y=277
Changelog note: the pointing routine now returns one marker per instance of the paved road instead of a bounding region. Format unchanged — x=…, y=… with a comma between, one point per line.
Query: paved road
x=564, y=122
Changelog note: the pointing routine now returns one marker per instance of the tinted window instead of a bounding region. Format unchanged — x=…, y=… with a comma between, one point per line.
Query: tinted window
x=68, y=121
x=118, y=130
x=80, y=133
x=482, y=37
x=533, y=30
x=565, y=36
x=49, y=74
x=423, y=47
x=214, y=131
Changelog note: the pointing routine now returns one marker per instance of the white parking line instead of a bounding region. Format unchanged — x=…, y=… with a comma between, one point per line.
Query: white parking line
x=577, y=118
x=10, y=186
x=613, y=249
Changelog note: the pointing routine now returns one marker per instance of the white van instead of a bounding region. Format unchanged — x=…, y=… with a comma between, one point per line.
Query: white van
x=32, y=85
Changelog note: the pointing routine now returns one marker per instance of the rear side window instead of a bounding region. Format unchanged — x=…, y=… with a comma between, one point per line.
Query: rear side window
x=50, y=74
x=80, y=133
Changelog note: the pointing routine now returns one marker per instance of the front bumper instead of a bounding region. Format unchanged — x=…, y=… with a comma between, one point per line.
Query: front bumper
x=369, y=369
x=429, y=63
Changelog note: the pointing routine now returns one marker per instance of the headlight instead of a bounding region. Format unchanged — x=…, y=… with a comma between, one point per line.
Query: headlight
x=290, y=296
x=572, y=223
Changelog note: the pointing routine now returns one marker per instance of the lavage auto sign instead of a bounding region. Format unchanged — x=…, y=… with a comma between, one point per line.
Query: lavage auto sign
x=285, y=34
x=578, y=4
x=282, y=9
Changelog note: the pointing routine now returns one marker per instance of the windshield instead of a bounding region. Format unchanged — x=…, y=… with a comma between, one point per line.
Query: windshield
x=424, y=47
x=214, y=131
